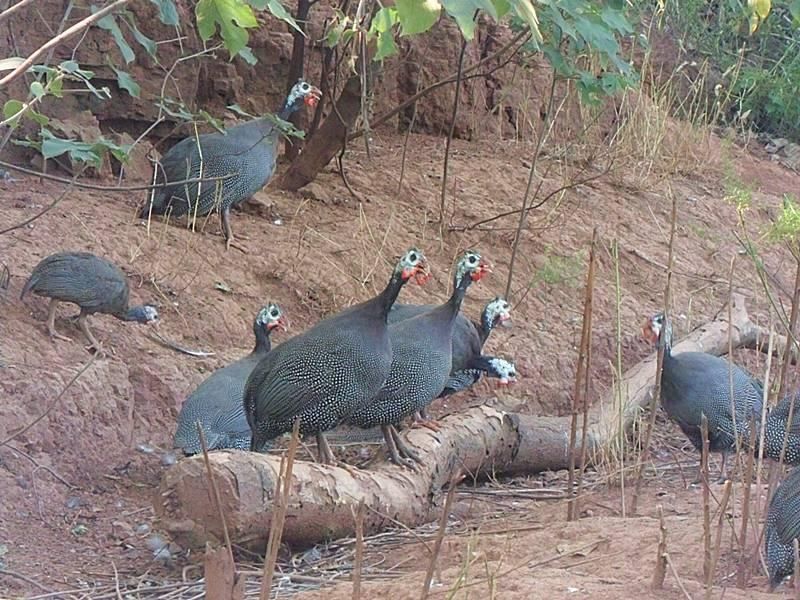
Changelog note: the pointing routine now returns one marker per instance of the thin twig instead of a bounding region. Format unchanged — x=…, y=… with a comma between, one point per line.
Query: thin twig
x=660, y=572
x=645, y=454
x=12, y=9
x=708, y=573
x=215, y=490
x=77, y=28
x=358, y=517
x=281, y=505
x=454, y=114
x=437, y=546
x=715, y=551
x=53, y=404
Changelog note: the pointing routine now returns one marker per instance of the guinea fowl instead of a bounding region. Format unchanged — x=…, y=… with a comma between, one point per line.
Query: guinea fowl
x=491, y=366
x=247, y=151
x=421, y=362
x=328, y=371
x=217, y=403
x=468, y=340
x=778, y=427
x=695, y=384
x=95, y=284
x=781, y=528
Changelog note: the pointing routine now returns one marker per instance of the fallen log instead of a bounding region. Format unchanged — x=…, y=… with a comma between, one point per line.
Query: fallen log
x=481, y=441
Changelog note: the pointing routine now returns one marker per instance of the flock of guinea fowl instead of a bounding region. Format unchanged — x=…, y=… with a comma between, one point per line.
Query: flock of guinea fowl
x=379, y=362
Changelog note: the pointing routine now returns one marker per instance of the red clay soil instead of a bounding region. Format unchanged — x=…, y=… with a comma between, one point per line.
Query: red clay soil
x=77, y=486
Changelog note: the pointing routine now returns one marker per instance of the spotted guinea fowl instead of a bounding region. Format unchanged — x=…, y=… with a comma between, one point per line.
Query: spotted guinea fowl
x=95, y=284
x=492, y=366
x=468, y=340
x=217, y=402
x=697, y=383
x=325, y=373
x=247, y=151
x=781, y=528
x=778, y=427
x=421, y=362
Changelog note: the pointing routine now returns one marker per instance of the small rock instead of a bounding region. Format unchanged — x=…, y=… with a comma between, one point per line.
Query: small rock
x=79, y=529
x=168, y=459
x=156, y=542
x=142, y=528
x=73, y=502
x=315, y=191
x=145, y=448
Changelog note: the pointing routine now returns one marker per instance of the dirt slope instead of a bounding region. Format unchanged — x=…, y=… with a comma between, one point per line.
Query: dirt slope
x=313, y=254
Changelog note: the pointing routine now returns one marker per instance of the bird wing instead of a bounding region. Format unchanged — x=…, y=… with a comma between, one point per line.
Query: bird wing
x=787, y=497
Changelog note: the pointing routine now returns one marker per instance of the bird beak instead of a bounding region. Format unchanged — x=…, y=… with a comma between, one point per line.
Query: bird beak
x=483, y=269
x=282, y=323
x=419, y=272
x=314, y=96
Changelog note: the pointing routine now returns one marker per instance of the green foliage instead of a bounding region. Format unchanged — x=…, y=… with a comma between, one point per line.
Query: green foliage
x=561, y=270
x=756, y=45
x=92, y=153
x=787, y=226
x=233, y=18
x=167, y=12
x=576, y=30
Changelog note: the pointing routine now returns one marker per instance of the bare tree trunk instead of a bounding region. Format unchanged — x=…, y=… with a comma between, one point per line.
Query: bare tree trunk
x=331, y=136
x=296, y=67
x=481, y=441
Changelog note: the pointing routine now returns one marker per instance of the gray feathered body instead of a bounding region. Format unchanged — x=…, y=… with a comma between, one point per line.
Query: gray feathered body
x=248, y=150
x=778, y=427
x=321, y=375
x=421, y=365
x=91, y=282
x=782, y=527
x=696, y=383
x=217, y=404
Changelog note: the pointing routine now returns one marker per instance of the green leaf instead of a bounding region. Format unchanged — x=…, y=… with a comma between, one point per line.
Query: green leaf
x=10, y=63
x=167, y=12
x=240, y=111
x=37, y=89
x=462, y=11
x=69, y=66
x=502, y=7
x=279, y=10
x=526, y=12
x=247, y=55
x=38, y=117
x=77, y=150
x=233, y=17
x=417, y=16
x=382, y=26
x=11, y=109
x=144, y=41
x=109, y=23
x=126, y=82
x=55, y=86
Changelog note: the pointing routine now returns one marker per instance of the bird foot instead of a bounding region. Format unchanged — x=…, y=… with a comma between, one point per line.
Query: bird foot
x=419, y=423
x=54, y=335
x=232, y=243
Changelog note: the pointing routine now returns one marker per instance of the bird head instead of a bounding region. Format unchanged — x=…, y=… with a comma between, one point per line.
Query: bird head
x=305, y=93
x=413, y=264
x=271, y=317
x=471, y=263
x=651, y=329
x=497, y=312
x=505, y=370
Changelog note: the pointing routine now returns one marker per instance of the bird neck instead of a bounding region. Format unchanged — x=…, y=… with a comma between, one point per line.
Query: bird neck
x=486, y=325
x=386, y=299
x=135, y=313
x=263, y=344
x=665, y=338
x=457, y=297
x=287, y=110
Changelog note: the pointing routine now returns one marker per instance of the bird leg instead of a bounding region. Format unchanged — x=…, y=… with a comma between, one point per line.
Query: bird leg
x=230, y=241
x=404, y=450
x=394, y=455
x=420, y=419
x=723, y=475
x=326, y=456
x=93, y=343
x=51, y=322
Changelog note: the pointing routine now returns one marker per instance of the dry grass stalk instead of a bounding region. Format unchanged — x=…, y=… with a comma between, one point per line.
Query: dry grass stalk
x=660, y=572
x=581, y=375
x=796, y=549
x=726, y=494
x=448, y=504
x=708, y=573
x=279, y=512
x=747, y=480
x=677, y=577
x=645, y=453
x=218, y=504
x=358, y=516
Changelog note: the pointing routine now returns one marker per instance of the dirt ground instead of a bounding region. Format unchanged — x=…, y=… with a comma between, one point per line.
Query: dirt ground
x=77, y=486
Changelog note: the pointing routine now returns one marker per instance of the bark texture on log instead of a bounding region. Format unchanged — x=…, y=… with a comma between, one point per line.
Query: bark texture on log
x=480, y=441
